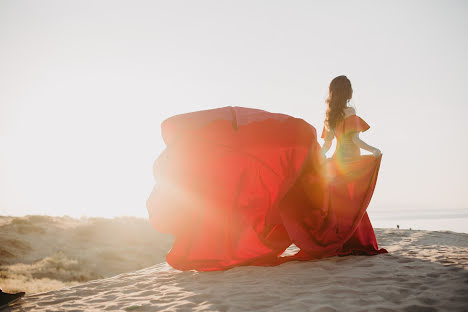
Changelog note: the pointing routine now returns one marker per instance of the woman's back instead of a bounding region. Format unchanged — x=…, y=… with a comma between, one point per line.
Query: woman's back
x=346, y=149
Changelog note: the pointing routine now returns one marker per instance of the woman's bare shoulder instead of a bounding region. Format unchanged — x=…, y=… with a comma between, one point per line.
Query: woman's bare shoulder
x=349, y=111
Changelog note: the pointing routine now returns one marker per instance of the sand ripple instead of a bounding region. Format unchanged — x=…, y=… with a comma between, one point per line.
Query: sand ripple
x=424, y=271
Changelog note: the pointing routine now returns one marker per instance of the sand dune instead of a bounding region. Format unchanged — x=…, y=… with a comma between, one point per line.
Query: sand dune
x=424, y=271
x=41, y=253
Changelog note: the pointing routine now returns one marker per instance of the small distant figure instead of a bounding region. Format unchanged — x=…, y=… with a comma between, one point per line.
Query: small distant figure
x=398, y=226
x=6, y=298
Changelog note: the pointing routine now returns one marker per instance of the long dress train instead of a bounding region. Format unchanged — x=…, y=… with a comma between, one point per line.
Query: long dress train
x=236, y=186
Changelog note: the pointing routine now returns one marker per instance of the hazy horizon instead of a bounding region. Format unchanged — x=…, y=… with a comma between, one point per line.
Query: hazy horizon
x=85, y=86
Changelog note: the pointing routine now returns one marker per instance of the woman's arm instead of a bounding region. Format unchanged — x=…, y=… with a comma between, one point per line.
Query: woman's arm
x=325, y=147
x=329, y=136
x=375, y=151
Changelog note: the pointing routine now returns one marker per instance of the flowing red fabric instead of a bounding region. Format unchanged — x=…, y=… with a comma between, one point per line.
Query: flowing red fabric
x=237, y=186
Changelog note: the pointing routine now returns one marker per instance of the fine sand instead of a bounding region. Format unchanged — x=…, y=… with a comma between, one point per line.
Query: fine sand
x=424, y=271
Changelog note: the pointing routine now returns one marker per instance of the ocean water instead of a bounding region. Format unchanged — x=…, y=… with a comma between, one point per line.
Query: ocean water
x=455, y=220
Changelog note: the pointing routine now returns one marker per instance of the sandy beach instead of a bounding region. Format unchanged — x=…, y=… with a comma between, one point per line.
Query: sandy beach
x=423, y=271
x=240, y=127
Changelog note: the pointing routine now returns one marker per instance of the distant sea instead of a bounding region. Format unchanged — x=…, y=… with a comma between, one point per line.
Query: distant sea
x=455, y=220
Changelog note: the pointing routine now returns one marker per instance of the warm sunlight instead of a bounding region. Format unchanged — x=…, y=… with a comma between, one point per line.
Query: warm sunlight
x=80, y=117
x=233, y=155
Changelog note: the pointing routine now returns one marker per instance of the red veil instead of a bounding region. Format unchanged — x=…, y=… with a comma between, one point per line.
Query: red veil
x=237, y=186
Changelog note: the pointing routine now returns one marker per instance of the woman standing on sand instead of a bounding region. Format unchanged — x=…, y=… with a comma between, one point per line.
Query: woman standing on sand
x=354, y=175
x=237, y=186
x=350, y=180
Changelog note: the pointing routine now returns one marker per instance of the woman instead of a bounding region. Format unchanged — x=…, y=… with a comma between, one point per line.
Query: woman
x=344, y=226
x=340, y=93
x=237, y=186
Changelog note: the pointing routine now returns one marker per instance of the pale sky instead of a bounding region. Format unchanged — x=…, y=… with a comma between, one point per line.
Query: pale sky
x=85, y=85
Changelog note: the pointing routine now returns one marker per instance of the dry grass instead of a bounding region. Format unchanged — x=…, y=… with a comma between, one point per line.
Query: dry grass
x=41, y=253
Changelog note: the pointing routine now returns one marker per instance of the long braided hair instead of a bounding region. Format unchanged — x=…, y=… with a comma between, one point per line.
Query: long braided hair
x=339, y=93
